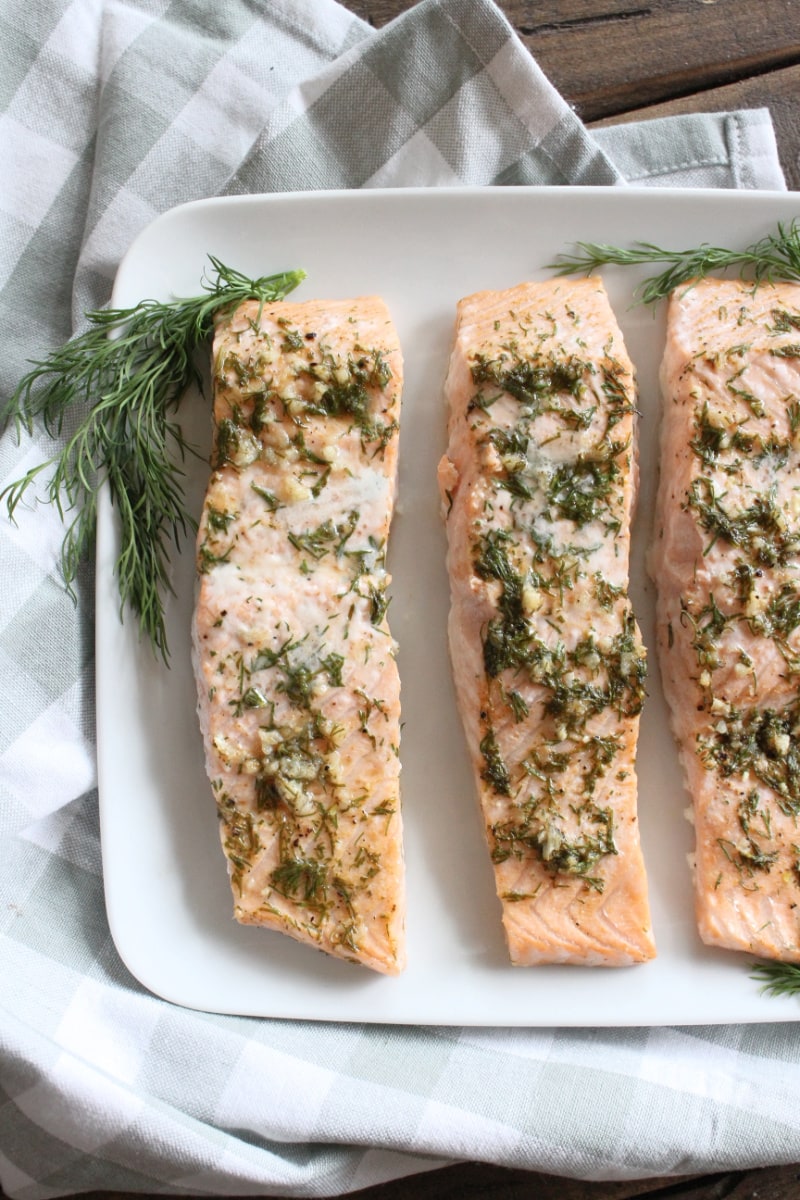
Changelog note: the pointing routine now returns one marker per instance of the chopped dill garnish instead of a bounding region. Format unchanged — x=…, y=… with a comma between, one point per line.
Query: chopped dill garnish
x=582, y=490
x=330, y=536
x=206, y=559
x=270, y=499
x=347, y=394
x=539, y=833
x=495, y=771
x=759, y=530
x=299, y=675
x=300, y=878
x=530, y=381
x=219, y=519
x=760, y=743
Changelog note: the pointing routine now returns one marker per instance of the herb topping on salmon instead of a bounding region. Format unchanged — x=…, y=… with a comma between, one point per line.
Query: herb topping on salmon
x=538, y=486
x=297, y=680
x=726, y=559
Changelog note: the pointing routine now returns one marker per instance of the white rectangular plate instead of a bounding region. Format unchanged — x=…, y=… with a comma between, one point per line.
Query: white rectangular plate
x=167, y=892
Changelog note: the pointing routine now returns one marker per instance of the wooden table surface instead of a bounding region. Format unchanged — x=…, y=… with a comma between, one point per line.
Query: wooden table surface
x=614, y=61
x=621, y=60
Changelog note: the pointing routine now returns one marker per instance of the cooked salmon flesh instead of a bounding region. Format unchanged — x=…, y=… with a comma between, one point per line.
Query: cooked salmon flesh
x=299, y=695
x=538, y=488
x=726, y=559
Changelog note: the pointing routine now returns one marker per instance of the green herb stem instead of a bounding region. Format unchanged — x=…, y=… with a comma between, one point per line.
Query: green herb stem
x=777, y=978
x=116, y=385
x=775, y=256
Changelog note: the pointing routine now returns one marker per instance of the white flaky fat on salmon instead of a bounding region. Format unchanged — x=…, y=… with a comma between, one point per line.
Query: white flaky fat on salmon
x=299, y=695
x=538, y=488
x=726, y=560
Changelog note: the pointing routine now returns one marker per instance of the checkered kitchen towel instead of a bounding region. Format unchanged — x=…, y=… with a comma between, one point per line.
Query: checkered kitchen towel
x=113, y=112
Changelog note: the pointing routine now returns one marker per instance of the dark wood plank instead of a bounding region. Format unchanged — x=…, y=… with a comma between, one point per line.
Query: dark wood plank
x=612, y=59
x=474, y=1181
x=609, y=56
x=479, y=1181
x=778, y=91
x=615, y=55
x=618, y=55
x=773, y=1183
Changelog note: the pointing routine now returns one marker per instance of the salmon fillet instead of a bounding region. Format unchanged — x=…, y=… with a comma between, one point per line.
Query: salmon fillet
x=538, y=486
x=726, y=559
x=298, y=689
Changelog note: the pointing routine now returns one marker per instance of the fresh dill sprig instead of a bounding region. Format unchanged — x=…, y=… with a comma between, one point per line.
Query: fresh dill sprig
x=773, y=257
x=777, y=978
x=114, y=387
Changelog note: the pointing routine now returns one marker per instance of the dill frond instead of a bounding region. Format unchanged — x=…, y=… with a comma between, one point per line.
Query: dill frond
x=124, y=377
x=773, y=257
x=777, y=978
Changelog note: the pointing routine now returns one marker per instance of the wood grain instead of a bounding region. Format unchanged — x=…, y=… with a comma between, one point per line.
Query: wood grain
x=478, y=1181
x=623, y=54
x=778, y=91
x=481, y=1182
x=619, y=59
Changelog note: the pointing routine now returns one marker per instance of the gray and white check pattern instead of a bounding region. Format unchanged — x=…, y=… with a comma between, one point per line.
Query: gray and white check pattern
x=111, y=113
